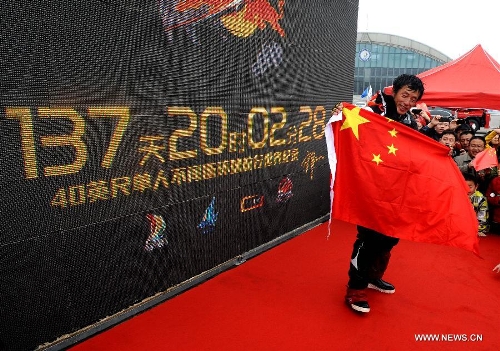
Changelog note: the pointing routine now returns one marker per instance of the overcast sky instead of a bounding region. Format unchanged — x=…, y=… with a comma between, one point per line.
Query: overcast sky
x=452, y=27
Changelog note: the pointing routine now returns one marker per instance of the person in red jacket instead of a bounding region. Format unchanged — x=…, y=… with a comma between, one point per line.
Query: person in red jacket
x=493, y=197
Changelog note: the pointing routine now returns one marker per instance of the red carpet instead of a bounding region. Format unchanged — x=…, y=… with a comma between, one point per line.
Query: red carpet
x=291, y=298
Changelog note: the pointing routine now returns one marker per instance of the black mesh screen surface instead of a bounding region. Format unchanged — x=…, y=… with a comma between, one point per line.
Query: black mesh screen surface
x=146, y=142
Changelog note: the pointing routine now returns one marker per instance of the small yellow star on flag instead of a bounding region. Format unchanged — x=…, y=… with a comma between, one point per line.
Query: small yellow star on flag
x=392, y=149
x=377, y=159
x=393, y=132
x=353, y=120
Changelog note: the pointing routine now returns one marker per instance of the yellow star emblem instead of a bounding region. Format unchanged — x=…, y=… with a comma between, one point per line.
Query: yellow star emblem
x=393, y=132
x=353, y=120
x=377, y=159
x=392, y=149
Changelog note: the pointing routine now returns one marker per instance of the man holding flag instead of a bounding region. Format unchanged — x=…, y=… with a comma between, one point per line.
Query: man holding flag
x=384, y=174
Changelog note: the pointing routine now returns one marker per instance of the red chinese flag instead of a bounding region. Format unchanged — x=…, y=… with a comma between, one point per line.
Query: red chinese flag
x=485, y=159
x=397, y=181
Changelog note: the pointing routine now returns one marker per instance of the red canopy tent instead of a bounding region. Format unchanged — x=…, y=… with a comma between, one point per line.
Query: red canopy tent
x=470, y=81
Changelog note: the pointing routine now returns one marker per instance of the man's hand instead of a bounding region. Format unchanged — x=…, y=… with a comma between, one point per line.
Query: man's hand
x=426, y=115
x=497, y=268
x=434, y=121
x=454, y=124
x=451, y=149
x=337, y=108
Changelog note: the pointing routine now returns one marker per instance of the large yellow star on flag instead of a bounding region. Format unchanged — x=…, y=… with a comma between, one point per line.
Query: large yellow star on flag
x=353, y=120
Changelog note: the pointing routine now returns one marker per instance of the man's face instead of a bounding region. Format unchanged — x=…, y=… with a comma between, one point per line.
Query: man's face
x=441, y=127
x=475, y=147
x=448, y=140
x=464, y=140
x=405, y=99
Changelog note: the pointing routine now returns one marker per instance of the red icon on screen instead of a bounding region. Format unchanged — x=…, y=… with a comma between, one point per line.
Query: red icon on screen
x=240, y=17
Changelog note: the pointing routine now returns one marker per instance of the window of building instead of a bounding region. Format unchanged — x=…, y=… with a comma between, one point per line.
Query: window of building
x=385, y=59
x=428, y=63
x=397, y=61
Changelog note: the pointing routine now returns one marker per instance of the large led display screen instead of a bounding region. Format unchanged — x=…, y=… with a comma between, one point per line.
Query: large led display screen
x=146, y=142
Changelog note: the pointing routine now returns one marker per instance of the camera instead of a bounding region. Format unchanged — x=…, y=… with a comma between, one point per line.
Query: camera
x=446, y=119
x=416, y=111
x=460, y=121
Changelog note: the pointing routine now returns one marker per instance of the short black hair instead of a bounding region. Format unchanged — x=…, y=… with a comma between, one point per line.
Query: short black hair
x=467, y=131
x=448, y=131
x=463, y=127
x=470, y=177
x=477, y=137
x=412, y=81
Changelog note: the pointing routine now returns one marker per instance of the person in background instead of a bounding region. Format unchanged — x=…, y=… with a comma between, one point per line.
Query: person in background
x=479, y=203
x=493, y=141
x=436, y=127
x=372, y=250
x=448, y=138
x=493, y=197
x=464, y=140
x=475, y=146
x=462, y=128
